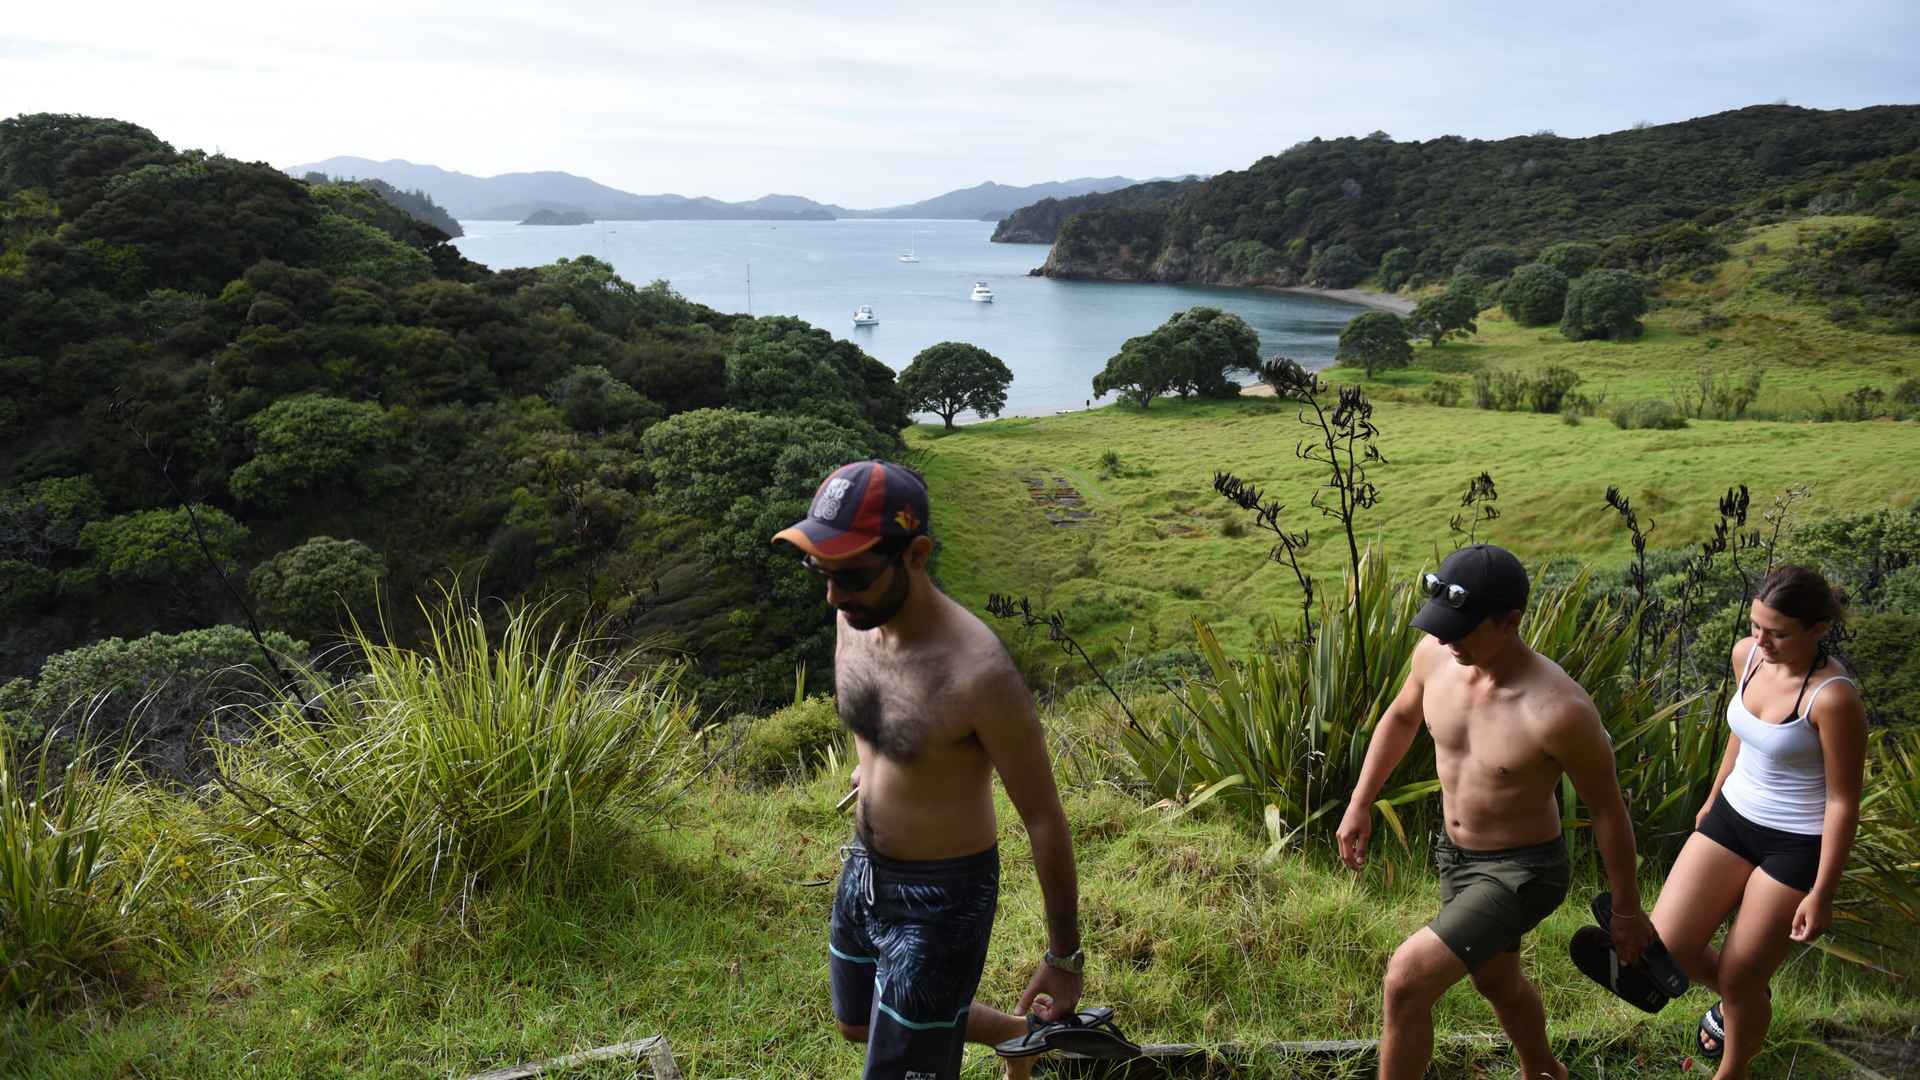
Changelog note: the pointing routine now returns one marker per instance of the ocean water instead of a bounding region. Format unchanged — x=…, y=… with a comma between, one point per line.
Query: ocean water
x=1053, y=335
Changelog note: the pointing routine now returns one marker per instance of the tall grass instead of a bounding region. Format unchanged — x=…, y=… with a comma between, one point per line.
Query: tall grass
x=480, y=757
x=1283, y=733
x=68, y=891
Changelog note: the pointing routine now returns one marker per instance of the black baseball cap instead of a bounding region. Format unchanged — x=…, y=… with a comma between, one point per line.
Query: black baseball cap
x=1495, y=584
x=857, y=506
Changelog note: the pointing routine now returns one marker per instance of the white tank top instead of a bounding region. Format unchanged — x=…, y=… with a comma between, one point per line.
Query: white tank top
x=1780, y=778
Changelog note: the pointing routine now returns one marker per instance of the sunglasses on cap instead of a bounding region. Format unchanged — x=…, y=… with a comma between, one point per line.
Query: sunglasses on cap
x=1438, y=588
x=856, y=579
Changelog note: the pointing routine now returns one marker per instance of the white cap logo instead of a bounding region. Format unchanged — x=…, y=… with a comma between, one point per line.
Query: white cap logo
x=826, y=505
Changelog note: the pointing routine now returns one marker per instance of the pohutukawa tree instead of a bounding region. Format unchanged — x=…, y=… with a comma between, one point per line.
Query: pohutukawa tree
x=1375, y=341
x=953, y=377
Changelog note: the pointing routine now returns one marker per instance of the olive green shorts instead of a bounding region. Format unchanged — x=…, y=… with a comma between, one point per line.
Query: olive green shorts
x=1490, y=899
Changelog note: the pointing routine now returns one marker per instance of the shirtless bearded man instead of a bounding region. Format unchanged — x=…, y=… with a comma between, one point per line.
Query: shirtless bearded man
x=936, y=707
x=1506, y=724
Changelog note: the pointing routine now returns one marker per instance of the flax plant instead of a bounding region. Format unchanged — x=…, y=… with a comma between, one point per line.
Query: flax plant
x=481, y=757
x=70, y=884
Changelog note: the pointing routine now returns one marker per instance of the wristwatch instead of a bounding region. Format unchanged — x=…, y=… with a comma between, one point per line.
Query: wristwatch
x=1073, y=963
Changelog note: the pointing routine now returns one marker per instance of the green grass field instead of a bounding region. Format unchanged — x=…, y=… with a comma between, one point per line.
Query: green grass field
x=703, y=932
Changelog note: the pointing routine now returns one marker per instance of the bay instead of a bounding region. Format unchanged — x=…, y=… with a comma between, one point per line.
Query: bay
x=1054, y=335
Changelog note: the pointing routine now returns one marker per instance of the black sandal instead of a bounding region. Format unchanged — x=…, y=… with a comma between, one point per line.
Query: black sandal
x=1713, y=1026
x=1088, y=1033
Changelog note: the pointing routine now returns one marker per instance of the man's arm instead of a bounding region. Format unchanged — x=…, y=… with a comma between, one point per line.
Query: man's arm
x=1010, y=731
x=1575, y=737
x=1392, y=735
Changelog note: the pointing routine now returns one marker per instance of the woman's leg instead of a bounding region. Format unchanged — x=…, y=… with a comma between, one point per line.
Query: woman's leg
x=1706, y=882
x=1748, y=958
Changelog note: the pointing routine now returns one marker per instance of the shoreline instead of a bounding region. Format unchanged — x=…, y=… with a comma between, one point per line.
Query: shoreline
x=1379, y=301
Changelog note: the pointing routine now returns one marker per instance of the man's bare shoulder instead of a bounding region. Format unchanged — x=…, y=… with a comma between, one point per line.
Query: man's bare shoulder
x=1554, y=702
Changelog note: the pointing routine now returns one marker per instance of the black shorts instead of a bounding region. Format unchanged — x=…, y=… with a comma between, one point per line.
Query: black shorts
x=1792, y=859
x=907, y=945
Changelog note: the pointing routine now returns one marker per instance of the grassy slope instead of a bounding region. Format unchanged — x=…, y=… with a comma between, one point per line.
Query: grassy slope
x=1155, y=555
x=703, y=934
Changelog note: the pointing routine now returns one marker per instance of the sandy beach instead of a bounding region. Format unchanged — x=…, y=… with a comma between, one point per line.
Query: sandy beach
x=1399, y=305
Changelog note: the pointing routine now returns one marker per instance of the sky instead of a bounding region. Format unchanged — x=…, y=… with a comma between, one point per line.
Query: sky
x=863, y=106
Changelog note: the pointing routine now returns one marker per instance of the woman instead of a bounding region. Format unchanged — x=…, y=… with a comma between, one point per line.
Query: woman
x=1785, y=803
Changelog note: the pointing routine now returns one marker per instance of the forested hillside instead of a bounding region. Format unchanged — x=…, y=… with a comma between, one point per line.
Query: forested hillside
x=226, y=391
x=1360, y=198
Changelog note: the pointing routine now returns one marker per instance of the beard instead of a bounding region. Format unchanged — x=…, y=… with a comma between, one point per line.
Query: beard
x=881, y=611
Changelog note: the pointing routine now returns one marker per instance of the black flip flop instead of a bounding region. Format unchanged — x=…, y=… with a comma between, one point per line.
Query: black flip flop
x=1091, y=1033
x=1713, y=1025
x=1592, y=952
x=1031, y=1044
x=1655, y=961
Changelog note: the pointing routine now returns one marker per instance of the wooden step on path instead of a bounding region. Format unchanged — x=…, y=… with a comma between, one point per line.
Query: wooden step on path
x=1064, y=507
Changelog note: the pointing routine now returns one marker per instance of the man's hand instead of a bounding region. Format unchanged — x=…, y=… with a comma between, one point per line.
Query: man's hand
x=1812, y=917
x=1631, y=933
x=1061, y=988
x=1356, y=826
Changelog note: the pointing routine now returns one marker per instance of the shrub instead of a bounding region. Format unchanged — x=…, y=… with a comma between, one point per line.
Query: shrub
x=1396, y=268
x=40, y=517
x=1336, y=266
x=153, y=692
x=1488, y=261
x=1443, y=392
x=1882, y=654
x=791, y=743
x=1536, y=295
x=1605, y=304
x=23, y=585
x=1437, y=318
x=1908, y=392
x=312, y=440
x=1648, y=413
x=591, y=398
x=1572, y=258
x=480, y=759
x=155, y=546
x=1481, y=292
x=1547, y=391
x=310, y=589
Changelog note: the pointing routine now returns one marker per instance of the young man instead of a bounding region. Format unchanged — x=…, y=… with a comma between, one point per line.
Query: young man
x=1506, y=724
x=936, y=707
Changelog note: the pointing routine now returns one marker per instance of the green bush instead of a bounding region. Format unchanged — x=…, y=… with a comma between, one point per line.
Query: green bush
x=1443, y=392
x=1336, y=266
x=161, y=683
x=317, y=588
x=1648, y=413
x=154, y=546
x=1572, y=258
x=1908, y=392
x=1376, y=341
x=1396, y=268
x=431, y=775
x=312, y=440
x=43, y=516
x=1605, y=304
x=590, y=398
x=1437, y=318
x=23, y=586
x=1882, y=653
x=791, y=743
x=1493, y=261
x=1901, y=591
x=1548, y=391
x=1536, y=295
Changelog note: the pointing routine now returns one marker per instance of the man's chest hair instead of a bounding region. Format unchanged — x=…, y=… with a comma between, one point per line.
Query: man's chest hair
x=897, y=711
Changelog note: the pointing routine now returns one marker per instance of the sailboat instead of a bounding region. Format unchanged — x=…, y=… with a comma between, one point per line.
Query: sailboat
x=910, y=256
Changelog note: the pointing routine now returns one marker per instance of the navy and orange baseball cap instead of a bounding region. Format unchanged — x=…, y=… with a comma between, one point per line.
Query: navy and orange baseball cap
x=856, y=507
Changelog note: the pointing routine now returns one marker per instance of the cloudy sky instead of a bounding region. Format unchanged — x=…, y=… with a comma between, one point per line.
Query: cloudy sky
x=860, y=105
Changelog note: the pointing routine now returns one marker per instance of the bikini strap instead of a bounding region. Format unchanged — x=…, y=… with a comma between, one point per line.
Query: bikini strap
x=1804, y=680
x=1824, y=684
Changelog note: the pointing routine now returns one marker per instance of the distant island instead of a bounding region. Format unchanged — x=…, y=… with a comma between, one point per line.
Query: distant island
x=518, y=196
x=558, y=217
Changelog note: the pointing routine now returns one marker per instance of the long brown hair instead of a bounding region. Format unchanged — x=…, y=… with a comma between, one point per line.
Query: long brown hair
x=1802, y=593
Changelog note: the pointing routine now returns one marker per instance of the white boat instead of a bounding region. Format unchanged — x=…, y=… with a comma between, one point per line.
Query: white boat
x=910, y=256
x=864, y=316
x=981, y=294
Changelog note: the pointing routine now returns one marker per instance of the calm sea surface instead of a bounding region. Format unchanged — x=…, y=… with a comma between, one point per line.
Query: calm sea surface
x=1054, y=335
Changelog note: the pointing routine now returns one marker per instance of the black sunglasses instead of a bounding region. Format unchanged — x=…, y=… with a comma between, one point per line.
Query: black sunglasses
x=858, y=579
x=1454, y=596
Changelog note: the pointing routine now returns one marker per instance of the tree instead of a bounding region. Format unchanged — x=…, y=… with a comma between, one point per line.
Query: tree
x=1336, y=267
x=951, y=377
x=592, y=399
x=162, y=545
x=1488, y=260
x=780, y=364
x=308, y=589
x=310, y=440
x=1376, y=341
x=1396, y=267
x=1191, y=353
x=1572, y=258
x=1536, y=295
x=1449, y=314
x=1605, y=304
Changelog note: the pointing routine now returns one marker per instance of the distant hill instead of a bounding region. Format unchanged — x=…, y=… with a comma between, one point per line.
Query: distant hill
x=558, y=217
x=515, y=196
x=1040, y=222
x=1269, y=223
